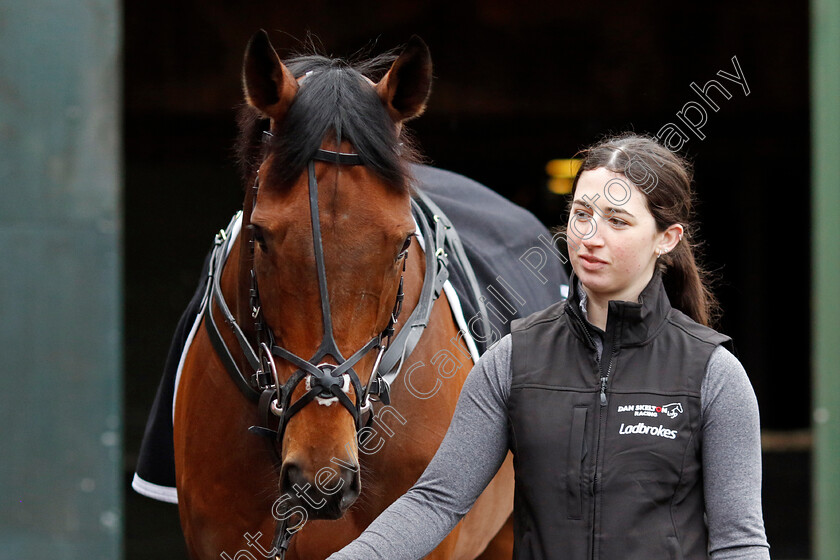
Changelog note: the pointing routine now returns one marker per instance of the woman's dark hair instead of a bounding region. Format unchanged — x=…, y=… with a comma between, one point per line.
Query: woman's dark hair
x=665, y=180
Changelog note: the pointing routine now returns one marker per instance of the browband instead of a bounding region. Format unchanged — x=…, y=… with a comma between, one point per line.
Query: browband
x=341, y=158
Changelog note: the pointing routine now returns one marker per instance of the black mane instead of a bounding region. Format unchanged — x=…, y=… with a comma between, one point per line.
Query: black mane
x=335, y=100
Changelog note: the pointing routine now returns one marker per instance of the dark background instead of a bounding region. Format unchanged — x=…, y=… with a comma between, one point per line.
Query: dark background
x=516, y=84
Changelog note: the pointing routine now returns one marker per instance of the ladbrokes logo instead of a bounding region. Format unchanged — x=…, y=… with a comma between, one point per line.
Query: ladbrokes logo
x=670, y=410
x=644, y=429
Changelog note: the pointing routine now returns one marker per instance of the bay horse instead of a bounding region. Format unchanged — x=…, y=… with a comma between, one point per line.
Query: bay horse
x=319, y=270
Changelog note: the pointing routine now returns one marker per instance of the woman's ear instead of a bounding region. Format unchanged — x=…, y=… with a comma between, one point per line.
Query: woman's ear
x=405, y=88
x=269, y=86
x=669, y=238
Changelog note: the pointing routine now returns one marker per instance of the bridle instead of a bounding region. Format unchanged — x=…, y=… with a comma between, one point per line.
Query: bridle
x=322, y=380
x=325, y=380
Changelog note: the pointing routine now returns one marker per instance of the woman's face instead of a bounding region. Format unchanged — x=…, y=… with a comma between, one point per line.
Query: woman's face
x=616, y=236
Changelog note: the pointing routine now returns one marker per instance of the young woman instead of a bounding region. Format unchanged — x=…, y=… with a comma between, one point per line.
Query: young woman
x=634, y=431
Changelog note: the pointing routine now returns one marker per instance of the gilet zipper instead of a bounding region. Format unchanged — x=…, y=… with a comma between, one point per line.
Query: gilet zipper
x=602, y=421
x=604, y=377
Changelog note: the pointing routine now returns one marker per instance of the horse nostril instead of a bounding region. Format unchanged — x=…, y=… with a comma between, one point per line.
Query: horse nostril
x=351, y=489
x=291, y=475
x=351, y=478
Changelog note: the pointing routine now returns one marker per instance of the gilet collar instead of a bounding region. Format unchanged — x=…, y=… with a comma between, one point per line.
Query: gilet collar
x=628, y=323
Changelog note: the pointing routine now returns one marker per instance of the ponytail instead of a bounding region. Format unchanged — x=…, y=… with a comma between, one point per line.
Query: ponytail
x=686, y=284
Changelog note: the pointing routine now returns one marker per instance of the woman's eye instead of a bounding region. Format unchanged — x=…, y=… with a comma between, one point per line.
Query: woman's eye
x=618, y=222
x=581, y=215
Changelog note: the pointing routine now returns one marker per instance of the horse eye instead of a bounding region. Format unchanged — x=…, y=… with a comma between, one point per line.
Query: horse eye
x=259, y=238
x=404, y=250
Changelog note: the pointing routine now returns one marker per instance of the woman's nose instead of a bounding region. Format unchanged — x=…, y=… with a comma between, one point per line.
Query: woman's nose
x=594, y=240
x=590, y=236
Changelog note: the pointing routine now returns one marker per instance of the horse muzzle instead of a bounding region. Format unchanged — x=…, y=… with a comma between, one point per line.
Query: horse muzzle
x=332, y=491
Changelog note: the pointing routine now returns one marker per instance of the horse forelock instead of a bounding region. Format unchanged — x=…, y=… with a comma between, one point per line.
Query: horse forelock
x=337, y=102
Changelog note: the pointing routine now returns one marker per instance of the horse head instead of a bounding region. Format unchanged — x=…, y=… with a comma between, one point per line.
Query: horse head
x=329, y=214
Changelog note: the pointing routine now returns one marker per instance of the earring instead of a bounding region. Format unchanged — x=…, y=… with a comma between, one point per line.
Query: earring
x=658, y=253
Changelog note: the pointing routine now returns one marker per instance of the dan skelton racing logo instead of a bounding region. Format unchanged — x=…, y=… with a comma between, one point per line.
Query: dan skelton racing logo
x=670, y=410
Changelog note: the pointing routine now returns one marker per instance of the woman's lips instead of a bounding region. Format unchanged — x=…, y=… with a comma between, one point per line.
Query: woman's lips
x=592, y=262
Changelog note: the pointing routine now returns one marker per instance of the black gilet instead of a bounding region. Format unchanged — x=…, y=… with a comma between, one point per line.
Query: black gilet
x=607, y=452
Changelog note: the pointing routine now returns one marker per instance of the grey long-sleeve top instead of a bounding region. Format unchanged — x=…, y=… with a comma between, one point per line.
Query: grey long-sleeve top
x=476, y=445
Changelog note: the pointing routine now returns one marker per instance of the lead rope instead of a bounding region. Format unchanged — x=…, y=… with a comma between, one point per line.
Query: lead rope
x=282, y=539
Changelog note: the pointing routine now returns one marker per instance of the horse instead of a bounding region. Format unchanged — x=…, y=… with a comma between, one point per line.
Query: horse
x=322, y=260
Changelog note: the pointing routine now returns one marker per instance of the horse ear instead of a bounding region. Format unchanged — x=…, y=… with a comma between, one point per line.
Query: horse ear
x=405, y=88
x=268, y=84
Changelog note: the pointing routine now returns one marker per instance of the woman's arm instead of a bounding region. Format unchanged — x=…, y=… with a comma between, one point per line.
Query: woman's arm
x=469, y=456
x=732, y=461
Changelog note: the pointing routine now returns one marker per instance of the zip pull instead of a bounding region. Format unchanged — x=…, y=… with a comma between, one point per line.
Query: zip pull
x=603, y=391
